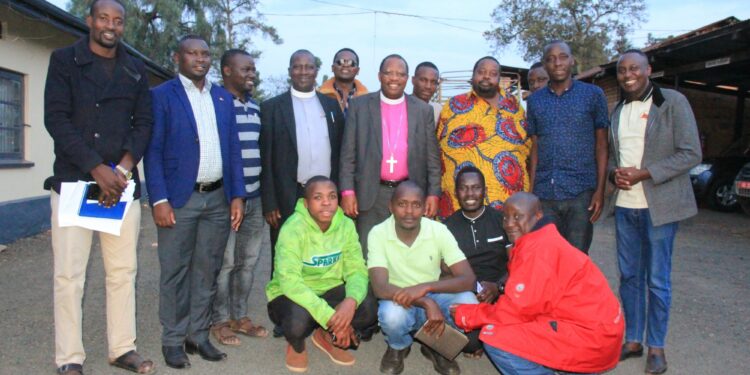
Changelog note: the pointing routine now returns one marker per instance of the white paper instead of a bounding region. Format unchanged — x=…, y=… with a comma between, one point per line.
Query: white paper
x=71, y=196
x=479, y=288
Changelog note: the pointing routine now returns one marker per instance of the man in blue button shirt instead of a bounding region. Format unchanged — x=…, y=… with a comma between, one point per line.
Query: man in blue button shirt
x=568, y=124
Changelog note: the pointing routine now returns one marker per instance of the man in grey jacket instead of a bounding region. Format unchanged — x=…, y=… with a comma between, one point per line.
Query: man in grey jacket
x=653, y=144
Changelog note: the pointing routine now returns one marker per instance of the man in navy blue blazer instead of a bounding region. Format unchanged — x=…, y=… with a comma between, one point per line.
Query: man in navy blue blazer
x=194, y=179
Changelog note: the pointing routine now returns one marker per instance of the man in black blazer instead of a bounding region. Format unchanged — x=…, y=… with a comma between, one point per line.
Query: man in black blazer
x=389, y=138
x=300, y=138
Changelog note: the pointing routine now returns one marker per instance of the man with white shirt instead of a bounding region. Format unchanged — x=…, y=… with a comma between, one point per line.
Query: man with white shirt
x=195, y=185
x=300, y=138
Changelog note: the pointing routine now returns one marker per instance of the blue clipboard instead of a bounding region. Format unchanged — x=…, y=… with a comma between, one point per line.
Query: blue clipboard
x=116, y=212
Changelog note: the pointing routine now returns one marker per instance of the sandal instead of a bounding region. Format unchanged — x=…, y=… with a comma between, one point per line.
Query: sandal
x=245, y=326
x=224, y=335
x=132, y=361
x=476, y=355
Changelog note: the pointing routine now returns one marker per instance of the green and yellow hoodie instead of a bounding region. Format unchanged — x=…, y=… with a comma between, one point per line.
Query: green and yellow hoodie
x=309, y=262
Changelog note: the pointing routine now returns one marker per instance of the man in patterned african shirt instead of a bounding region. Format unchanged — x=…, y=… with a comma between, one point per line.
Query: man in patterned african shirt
x=485, y=128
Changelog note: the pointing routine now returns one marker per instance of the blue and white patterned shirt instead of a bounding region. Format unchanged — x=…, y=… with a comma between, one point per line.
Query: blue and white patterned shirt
x=565, y=127
x=248, y=129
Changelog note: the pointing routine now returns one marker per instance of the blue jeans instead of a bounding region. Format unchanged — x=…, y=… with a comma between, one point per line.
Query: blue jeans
x=398, y=323
x=241, y=255
x=644, y=256
x=511, y=364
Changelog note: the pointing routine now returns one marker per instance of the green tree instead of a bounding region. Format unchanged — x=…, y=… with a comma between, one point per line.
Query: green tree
x=590, y=27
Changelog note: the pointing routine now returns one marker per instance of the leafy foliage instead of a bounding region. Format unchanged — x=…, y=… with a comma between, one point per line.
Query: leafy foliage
x=595, y=30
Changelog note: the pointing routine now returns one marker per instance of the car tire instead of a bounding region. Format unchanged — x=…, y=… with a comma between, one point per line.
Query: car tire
x=721, y=196
x=745, y=204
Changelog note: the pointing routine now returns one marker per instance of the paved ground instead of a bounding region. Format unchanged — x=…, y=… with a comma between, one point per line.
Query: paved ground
x=709, y=329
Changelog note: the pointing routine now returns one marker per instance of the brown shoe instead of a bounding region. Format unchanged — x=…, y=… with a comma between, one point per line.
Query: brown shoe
x=296, y=362
x=324, y=342
x=224, y=334
x=132, y=361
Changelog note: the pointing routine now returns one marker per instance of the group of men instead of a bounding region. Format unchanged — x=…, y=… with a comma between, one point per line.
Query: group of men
x=349, y=182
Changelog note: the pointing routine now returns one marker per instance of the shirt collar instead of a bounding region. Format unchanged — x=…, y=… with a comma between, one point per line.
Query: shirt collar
x=302, y=95
x=645, y=96
x=484, y=208
x=573, y=82
x=188, y=84
x=392, y=101
x=423, y=234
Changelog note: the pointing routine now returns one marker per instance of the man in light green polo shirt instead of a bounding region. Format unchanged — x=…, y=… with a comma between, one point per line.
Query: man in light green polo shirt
x=404, y=258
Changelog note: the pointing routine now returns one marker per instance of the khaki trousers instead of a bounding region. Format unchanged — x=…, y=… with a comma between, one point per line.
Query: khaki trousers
x=71, y=247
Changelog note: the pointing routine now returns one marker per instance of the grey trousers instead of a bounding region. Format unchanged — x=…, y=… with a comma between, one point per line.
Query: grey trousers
x=190, y=257
x=240, y=259
x=374, y=216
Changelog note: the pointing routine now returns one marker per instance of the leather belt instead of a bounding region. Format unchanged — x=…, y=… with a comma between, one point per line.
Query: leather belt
x=391, y=183
x=208, y=186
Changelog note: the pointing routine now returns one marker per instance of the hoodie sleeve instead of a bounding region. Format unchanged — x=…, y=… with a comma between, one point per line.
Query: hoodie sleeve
x=355, y=271
x=288, y=269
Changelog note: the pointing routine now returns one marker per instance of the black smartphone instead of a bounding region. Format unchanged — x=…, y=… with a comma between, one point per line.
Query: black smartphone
x=93, y=191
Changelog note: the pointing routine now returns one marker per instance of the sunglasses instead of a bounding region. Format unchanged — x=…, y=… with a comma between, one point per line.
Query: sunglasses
x=346, y=63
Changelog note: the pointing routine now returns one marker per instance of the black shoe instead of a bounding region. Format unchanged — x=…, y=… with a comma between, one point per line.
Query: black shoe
x=278, y=331
x=626, y=353
x=393, y=360
x=70, y=369
x=206, y=350
x=656, y=364
x=175, y=356
x=441, y=364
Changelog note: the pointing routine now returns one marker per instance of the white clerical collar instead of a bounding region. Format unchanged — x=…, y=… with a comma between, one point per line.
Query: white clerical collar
x=302, y=95
x=392, y=101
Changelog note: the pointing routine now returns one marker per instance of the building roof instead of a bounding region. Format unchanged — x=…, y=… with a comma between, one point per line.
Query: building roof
x=50, y=14
x=715, y=57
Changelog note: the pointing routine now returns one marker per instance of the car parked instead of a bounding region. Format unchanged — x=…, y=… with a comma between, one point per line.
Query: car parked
x=713, y=181
x=742, y=188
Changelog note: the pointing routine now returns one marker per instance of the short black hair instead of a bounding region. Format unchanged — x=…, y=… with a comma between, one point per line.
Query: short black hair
x=536, y=65
x=92, y=7
x=476, y=64
x=404, y=185
x=228, y=54
x=345, y=49
x=314, y=180
x=637, y=52
x=393, y=55
x=300, y=52
x=554, y=42
x=192, y=37
x=427, y=64
x=470, y=169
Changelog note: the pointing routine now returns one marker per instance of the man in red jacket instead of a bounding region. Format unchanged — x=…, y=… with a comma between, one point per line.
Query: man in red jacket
x=558, y=312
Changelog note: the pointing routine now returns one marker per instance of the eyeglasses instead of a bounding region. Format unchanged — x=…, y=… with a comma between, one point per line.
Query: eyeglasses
x=346, y=63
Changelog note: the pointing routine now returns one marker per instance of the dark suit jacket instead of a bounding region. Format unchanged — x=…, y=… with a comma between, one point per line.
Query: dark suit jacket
x=278, y=150
x=94, y=119
x=173, y=155
x=362, y=149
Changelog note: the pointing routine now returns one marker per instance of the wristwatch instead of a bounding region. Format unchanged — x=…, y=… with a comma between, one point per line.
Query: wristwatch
x=128, y=174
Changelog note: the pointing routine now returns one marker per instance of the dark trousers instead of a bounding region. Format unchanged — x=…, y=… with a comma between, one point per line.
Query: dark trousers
x=374, y=216
x=297, y=323
x=190, y=257
x=275, y=231
x=572, y=218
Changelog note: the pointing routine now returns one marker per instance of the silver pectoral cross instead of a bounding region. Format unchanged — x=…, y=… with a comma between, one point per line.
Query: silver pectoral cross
x=391, y=162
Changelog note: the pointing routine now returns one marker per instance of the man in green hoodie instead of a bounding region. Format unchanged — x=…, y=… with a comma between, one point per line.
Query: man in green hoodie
x=320, y=279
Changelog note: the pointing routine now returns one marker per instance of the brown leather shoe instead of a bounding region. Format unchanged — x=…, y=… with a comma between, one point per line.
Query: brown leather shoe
x=324, y=342
x=296, y=362
x=393, y=360
x=656, y=364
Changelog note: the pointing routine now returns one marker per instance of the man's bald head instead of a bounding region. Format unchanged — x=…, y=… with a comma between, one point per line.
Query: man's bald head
x=407, y=187
x=520, y=213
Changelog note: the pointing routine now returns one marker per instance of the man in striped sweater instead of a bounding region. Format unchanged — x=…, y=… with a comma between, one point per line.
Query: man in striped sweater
x=243, y=247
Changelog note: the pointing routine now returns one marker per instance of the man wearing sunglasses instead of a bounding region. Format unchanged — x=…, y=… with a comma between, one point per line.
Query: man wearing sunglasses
x=343, y=86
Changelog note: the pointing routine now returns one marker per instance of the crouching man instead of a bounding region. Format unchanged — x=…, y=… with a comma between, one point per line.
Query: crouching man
x=558, y=313
x=404, y=258
x=320, y=280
